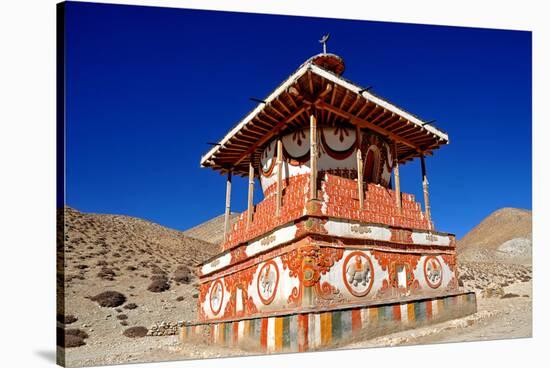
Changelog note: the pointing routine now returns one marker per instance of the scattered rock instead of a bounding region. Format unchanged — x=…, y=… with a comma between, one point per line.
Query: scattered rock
x=163, y=329
x=493, y=291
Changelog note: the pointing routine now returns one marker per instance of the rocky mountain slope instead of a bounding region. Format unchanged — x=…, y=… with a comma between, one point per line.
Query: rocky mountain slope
x=212, y=230
x=118, y=272
x=496, y=254
x=505, y=236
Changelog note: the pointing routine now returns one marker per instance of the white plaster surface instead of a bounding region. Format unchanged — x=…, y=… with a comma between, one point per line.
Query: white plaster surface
x=343, y=228
x=284, y=288
x=423, y=238
x=271, y=334
x=281, y=236
x=216, y=264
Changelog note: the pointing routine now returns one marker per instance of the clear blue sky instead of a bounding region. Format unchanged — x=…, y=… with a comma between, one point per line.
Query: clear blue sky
x=148, y=87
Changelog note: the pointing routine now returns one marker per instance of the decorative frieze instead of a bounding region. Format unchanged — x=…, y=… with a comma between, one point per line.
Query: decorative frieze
x=361, y=229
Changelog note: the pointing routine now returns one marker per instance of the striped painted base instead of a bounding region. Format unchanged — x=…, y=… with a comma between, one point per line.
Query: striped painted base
x=324, y=330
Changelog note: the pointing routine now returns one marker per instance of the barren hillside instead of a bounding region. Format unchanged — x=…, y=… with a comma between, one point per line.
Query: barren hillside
x=212, y=230
x=146, y=269
x=504, y=236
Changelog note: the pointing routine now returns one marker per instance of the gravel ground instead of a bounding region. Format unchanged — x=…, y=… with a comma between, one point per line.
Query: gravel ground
x=498, y=317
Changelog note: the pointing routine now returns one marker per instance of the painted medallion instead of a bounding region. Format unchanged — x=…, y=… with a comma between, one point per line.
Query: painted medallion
x=433, y=272
x=216, y=297
x=358, y=273
x=267, y=282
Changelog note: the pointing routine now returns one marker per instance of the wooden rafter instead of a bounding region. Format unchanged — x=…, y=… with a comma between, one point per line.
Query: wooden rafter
x=274, y=131
x=366, y=124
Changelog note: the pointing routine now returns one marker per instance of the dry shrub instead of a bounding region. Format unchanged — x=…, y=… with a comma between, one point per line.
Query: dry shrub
x=70, y=319
x=180, y=298
x=122, y=317
x=157, y=270
x=137, y=331
x=158, y=286
x=70, y=278
x=71, y=341
x=183, y=274
x=123, y=323
x=76, y=332
x=109, y=299
x=131, y=306
x=71, y=338
x=106, y=274
x=158, y=277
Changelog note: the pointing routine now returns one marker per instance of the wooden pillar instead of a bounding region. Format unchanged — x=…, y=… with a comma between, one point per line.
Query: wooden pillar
x=425, y=188
x=227, y=206
x=360, y=190
x=250, y=192
x=313, y=156
x=279, y=177
x=396, y=178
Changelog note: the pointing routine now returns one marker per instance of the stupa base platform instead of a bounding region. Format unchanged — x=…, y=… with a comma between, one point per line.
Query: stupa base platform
x=316, y=329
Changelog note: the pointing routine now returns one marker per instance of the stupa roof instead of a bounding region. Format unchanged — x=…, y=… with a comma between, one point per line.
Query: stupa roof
x=318, y=84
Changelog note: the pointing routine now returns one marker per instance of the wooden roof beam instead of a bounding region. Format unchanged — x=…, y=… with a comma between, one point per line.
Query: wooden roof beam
x=366, y=124
x=274, y=131
x=406, y=129
x=400, y=120
x=255, y=127
x=272, y=107
x=344, y=98
x=259, y=121
x=291, y=99
x=268, y=116
x=363, y=108
x=248, y=133
x=280, y=102
x=310, y=82
x=354, y=104
x=371, y=113
x=381, y=120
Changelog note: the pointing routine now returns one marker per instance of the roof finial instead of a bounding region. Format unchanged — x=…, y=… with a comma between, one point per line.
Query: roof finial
x=324, y=40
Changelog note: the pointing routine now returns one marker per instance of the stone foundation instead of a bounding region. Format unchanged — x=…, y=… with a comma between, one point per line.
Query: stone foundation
x=327, y=329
